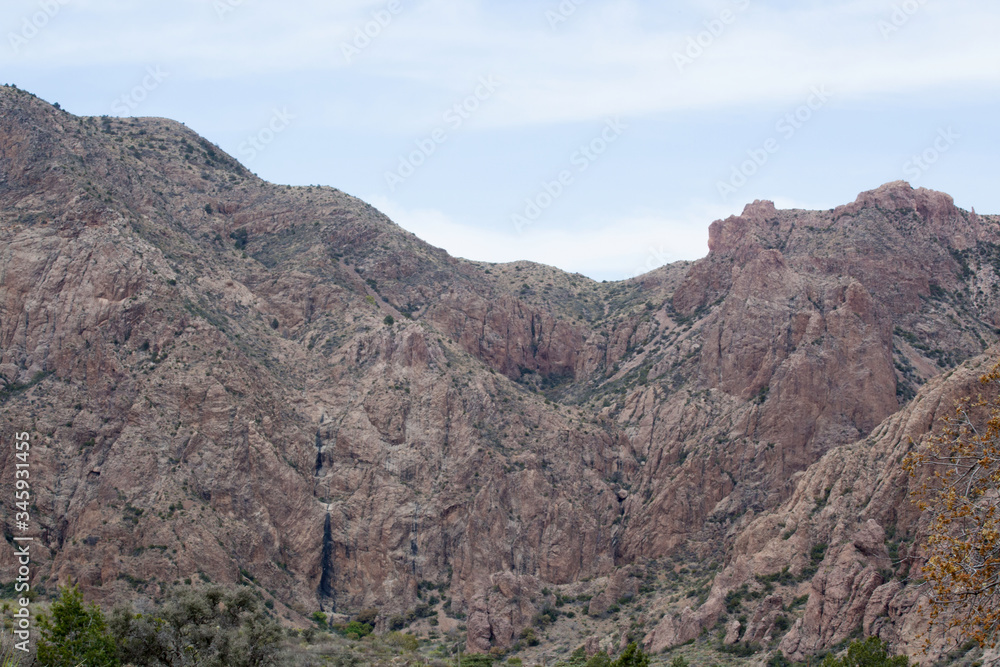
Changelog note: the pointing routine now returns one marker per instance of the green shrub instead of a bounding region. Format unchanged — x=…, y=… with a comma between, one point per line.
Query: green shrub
x=367, y=616
x=73, y=634
x=219, y=628
x=871, y=652
x=778, y=659
x=529, y=637
x=632, y=656
x=781, y=623
x=358, y=629
x=406, y=642
x=545, y=617
x=600, y=659
x=742, y=649
x=240, y=238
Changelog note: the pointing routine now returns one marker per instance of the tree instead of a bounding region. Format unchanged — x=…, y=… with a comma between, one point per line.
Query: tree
x=957, y=477
x=74, y=634
x=871, y=652
x=599, y=659
x=632, y=656
x=476, y=660
x=577, y=658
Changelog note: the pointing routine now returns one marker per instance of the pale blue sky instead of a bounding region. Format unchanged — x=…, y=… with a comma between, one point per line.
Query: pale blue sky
x=657, y=117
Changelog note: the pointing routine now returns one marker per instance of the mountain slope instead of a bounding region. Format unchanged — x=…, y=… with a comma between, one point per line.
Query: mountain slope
x=280, y=387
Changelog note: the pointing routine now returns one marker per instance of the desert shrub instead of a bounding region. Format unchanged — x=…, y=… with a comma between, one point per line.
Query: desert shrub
x=358, y=629
x=955, y=478
x=367, y=616
x=209, y=627
x=406, y=642
x=576, y=659
x=73, y=633
x=742, y=649
x=600, y=659
x=778, y=659
x=632, y=656
x=871, y=652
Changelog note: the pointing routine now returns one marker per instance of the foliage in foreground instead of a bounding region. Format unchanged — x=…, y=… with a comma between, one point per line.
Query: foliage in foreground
x=959, y=495
x=73, y=633
x=632, y=656
x=204, y=628
x=871, y=652
x=207, y=628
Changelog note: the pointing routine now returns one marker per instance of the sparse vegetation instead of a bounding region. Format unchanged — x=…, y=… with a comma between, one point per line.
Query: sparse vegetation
x=956, y=476
x=871, y=652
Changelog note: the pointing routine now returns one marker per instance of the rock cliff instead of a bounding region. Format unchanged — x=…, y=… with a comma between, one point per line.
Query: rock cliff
x=229, y=380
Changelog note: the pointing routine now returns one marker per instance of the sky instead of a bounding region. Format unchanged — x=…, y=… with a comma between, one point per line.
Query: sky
x=599, y=136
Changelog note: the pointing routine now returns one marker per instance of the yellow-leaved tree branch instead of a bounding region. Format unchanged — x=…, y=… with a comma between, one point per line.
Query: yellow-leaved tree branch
x=957, y=476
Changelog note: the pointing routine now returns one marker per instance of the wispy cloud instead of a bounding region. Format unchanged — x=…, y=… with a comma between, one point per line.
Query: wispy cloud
x=612, y=58
x=610, y=249
x=359, y=117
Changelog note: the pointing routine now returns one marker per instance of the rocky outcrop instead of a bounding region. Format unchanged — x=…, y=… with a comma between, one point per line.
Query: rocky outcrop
x=851, y=522
x=228, y=380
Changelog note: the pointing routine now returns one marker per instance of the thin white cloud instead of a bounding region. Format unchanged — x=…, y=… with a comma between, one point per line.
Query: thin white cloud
x=602, y=61
x=615, y=249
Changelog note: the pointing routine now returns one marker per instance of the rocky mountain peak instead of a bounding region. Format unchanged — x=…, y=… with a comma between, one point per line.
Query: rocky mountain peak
x=240, y=382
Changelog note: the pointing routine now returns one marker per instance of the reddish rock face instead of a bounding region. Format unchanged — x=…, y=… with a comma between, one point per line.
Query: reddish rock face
x=846, y=512
x=224, y=377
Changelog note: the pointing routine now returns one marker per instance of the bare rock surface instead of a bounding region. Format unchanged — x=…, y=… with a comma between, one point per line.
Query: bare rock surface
x=233, y=381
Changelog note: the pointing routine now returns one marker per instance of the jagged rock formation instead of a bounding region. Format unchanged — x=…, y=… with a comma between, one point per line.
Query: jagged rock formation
x=250, y=382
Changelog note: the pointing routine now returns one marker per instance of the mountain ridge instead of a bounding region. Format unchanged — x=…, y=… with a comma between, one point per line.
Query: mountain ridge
x=235, y=378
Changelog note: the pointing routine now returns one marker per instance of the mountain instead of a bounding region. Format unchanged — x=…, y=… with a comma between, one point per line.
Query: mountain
x=232, y=381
